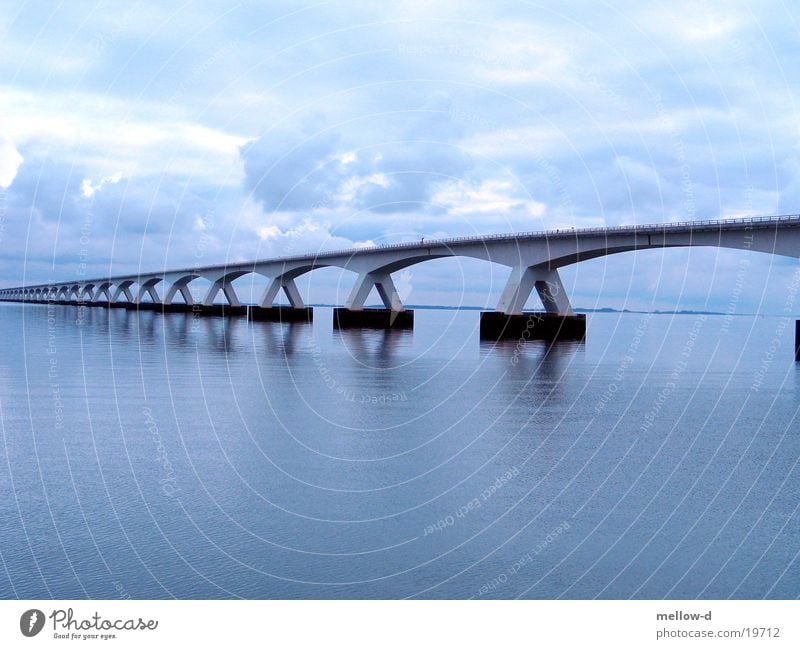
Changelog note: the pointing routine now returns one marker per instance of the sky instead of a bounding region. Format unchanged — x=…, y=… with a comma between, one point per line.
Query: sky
x=143, y=135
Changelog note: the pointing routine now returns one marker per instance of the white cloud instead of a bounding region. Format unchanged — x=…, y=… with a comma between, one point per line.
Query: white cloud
x=709, y=27
x=580, y=133
x=269, y=232
x=490, y=197
x=139, y=138
x=636, y=172
x=88, y=189
x=10, y=160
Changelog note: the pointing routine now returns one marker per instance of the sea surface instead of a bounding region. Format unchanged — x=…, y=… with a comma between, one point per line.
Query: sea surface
x=159, y=456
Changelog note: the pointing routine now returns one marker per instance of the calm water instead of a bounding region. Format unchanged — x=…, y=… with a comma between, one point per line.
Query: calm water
x=154, y=456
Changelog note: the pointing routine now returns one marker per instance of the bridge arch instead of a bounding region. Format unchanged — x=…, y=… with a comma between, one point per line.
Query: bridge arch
x=223, y=282
x=147, y=287
x=103, y=288
x=86, y=290
x=179, y=285
x=577, y=256
x=284, y=281
x=123, y=288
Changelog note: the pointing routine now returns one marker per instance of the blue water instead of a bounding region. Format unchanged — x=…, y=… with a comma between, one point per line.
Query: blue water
x=156, y=456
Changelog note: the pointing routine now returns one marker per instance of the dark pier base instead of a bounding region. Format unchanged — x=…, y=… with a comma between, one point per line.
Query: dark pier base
x=150, y=306
x=106, y=304
x=144, y=306
x=199, y=309
x=280, y=314
x=797, y=340
x=532, y=326
x=215, y=309
x=373, y=319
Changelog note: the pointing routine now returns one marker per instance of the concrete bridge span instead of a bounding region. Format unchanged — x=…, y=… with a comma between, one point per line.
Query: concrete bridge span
x=533, y=258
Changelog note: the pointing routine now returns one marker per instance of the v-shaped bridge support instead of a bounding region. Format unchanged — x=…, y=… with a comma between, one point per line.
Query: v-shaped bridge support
x=288, y=286
x=547, y=284
x=386, y=289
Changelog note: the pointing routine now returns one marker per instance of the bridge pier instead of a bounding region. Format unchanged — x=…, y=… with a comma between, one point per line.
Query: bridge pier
x=393, y=316
x=183, y=289
x=216, y=309
x=280, y=313
x=268, y=311
x=124, y=288
x=148, y=288
x=142, y=306
x=102, y=290
x=224, y=285
x=344, y=318
x=532, y=325
x=557, y=322
x=797, y=340
x=547, y=283
x=180, y=307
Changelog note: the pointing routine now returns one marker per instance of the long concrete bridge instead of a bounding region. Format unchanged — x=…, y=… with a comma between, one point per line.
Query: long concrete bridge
x=533, y=258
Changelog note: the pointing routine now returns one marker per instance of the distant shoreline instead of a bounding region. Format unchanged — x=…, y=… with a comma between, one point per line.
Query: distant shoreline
x=577, y=310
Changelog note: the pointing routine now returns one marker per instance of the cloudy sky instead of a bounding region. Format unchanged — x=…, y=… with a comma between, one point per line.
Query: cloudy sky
x=144, y=135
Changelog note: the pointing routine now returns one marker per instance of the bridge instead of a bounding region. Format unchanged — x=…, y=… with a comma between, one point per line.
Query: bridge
x=534, y=259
